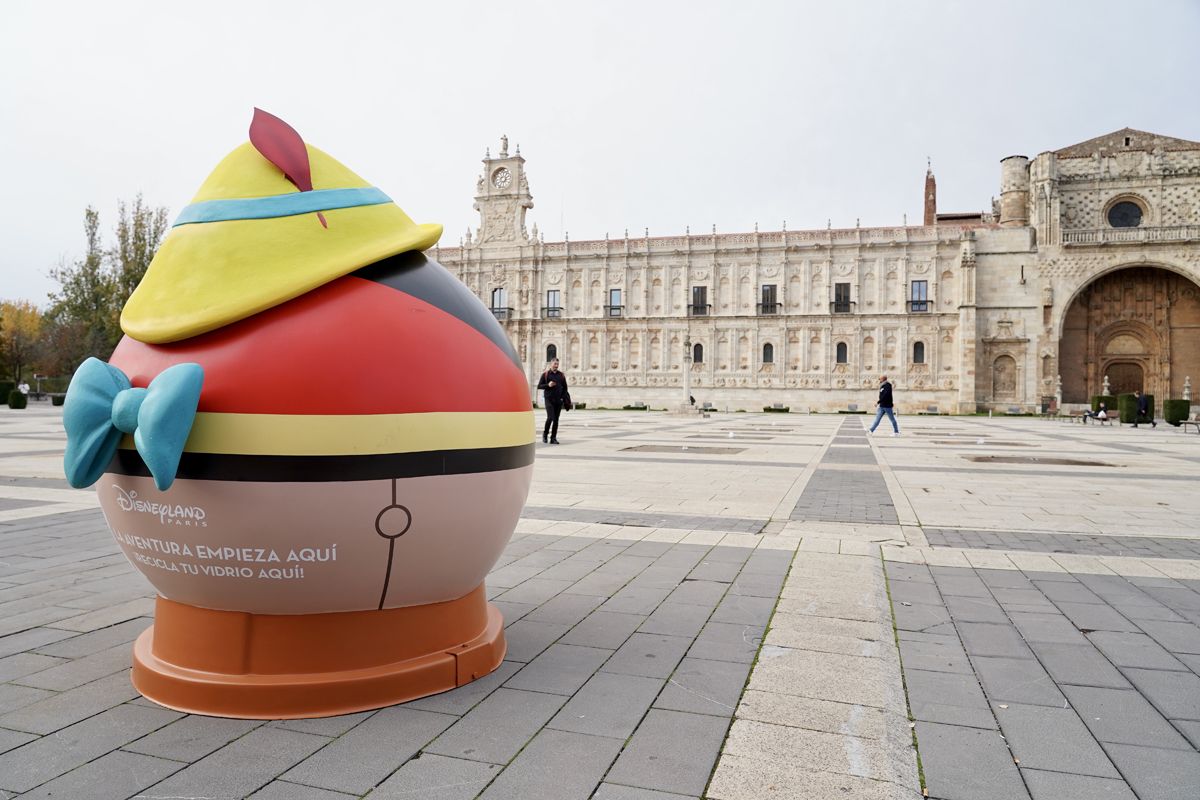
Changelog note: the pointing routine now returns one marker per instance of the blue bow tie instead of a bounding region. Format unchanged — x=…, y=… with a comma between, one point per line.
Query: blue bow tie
x=101, y=405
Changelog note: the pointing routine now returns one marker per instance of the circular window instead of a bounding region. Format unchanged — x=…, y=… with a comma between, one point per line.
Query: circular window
x=1125, y=215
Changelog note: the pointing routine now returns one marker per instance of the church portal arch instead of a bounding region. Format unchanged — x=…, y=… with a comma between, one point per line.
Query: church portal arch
x=1139, y=326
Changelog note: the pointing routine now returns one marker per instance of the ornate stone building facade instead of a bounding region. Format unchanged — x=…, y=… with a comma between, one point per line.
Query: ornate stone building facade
x=1086, y=268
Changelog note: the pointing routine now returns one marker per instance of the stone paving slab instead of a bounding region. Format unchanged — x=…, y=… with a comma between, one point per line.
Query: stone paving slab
x=657, y=520
x=1081, y=544
x=1070, y=685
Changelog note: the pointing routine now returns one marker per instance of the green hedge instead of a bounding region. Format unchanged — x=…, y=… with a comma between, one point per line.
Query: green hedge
x=1176, y=411
x=17, y=399
x=773, y=410
x=635, y=408
x=57, y=399
x=1127, y=408
x=1109, y=401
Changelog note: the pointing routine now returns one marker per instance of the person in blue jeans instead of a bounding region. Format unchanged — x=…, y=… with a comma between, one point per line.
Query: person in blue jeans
x=884, y=406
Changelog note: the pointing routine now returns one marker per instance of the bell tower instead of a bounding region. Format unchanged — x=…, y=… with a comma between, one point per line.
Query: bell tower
x=502, y=197
x=930, y=195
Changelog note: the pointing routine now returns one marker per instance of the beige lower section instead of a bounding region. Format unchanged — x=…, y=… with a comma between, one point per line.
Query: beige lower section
x=303, y=548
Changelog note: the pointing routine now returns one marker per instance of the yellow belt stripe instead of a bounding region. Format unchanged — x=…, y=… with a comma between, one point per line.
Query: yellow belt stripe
x=359, y=434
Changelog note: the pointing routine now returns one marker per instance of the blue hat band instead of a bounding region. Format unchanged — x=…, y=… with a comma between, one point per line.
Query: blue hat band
x=280, y=205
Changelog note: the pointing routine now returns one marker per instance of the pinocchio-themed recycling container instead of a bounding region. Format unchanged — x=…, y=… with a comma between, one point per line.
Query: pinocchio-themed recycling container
x=312, y=440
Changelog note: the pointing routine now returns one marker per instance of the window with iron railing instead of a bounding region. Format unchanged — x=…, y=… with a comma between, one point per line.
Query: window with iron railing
x=769, y=303
x=553, y=308
x=841, y=299
x=918, y=297
x=614, y=307
x=699, y=306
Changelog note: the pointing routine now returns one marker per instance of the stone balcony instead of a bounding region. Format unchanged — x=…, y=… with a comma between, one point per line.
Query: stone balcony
x=1139, y=235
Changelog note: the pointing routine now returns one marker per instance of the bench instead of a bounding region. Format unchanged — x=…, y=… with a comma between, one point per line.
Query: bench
x=929, y=410
x=1193, y=420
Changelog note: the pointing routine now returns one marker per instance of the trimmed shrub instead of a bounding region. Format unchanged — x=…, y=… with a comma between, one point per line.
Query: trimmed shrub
x=1109, y=401
x=579, y=405
x=1127, y=408
x=635, y=408
x=1176, y=411
x=774, y=410
x=17, y=399
x=57, y=399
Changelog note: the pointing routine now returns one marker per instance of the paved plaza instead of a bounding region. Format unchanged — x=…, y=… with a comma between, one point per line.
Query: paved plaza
x=734, y=607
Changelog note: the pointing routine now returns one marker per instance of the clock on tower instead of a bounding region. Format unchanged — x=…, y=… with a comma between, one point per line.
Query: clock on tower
x=502, y=198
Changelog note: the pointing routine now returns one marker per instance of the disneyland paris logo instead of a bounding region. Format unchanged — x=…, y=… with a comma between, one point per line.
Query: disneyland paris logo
x=167, y=513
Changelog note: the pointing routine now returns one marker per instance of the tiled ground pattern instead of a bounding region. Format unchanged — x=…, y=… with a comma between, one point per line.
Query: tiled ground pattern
x=644, y=520
x=1077, y=543
x=857, y=494
x=625, y=662
x=1051, y=686
x=627, y=659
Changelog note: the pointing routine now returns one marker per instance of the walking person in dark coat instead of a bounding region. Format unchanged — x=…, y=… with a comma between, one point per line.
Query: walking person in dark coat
x=1143, y=410
x=884, y=406
x=554, y=384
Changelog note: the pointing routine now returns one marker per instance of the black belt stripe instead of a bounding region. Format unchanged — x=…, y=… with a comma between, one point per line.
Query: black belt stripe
x=314, y=469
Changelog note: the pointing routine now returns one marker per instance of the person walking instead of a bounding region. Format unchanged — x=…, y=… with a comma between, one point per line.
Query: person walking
x=1143, y=410
x=884, y=406
x=554, y=384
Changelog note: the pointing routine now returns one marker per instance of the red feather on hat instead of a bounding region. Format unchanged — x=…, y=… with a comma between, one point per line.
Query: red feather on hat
x=279, y=143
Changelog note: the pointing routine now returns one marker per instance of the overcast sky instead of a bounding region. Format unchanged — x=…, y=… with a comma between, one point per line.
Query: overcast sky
x=631, y=115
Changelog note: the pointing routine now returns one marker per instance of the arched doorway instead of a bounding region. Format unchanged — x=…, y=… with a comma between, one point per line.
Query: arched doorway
x=1138, y=326
x=1125, y=377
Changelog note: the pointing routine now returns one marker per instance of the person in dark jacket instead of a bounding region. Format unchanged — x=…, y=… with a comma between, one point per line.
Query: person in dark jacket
x=1143, y=410
x=554, y=384
x=1100, y=414
x=884, y=406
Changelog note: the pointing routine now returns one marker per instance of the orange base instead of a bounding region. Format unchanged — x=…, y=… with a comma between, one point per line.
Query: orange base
x=264, y=666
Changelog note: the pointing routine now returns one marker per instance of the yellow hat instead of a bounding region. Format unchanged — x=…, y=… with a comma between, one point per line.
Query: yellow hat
x=251, y=240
